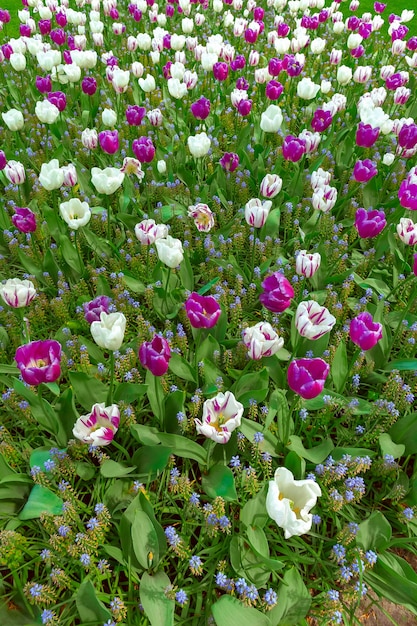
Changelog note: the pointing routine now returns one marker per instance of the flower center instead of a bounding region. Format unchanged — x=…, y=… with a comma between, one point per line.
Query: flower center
x=220, y=421
x=37, y=363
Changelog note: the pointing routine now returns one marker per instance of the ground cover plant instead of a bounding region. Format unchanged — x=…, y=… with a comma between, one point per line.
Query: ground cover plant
x=209, y=312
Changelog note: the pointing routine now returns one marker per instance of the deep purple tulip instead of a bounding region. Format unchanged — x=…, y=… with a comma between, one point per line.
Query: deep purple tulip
x=89, y=85
x=364, y=332
x=3, y=160
x=169, y=10
x=364, y=170
x=202, y=311
x=167, y=70
x=201, y=108
x=294, y=68
x=277, y=293
x=407, y=137
x=353, y=23
x=39, y=361
x=143, y=149
x=109, y=141
x=283, y=29
x=25, y=30
x=4, y=16
x=369, y=223
x=67, y=57
x=321, y=120
x=229, y=161
x=365, y=29
x=244, y=107
x=407, y=194
x=59, y=99
x=412, y=44
x=273, y=90
x=135, y=115
x=7, y=50
x=114, y=13
x=58, y=36
x=393, y=17
x=258, y=14
x=323, y=16
x=379, y=7
x=307, y=377
x=293, y=148
x=238, y=63
x=155, y=355
x=220, y=70
x=366, y=135
x=358, y=52
x=242, y=84
x=24, y=219
x=394, y=81
x=94, y=308
x=415, y=264
x=137, y=15
x=44, y=27
x=250, y=35
x=399, y=33
x=43, y=84
x=61, y=19
x=275, y=66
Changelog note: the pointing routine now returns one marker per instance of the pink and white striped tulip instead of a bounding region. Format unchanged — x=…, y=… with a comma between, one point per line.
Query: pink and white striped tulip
x=262, y=340
x=407, y=231
x=270, y=186
x=307, y=264
x=221, y=416
x=312, y=320
x=98, y=427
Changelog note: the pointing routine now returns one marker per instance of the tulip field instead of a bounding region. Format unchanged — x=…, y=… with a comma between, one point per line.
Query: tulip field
x=208, y=320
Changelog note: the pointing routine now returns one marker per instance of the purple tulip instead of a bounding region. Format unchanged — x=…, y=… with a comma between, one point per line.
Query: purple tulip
x=369, y=223
x=394, y=81
x=109, y=141
x=238, y=63
x=94, y=308
x=143, y=149
x=407, y=194
x=293, y=148
x=283, y=29
x=44, y=27
x=365, y=30
x=135, y=115
x=277, y=293
x=358, y=52
x=58, y=36
x=244, y=107
x=273, y=90
x=379, y=7
x=61, y=19
x=407, y=137
x=258, y=14
x=353, y=23
x=415, y=264
x=3, y=160
x=242, y=84
x=220, y=70
x=366, y=135
x=294, y=68
x=321, y=120
x=89, y=85
x=275, y=66
x=201, y=108
x=364, y=170
x=25, y=30
x=364, y=332
x=39, y=361
x=307, y=377
x=7, y=50
x=250, y=35
x=412, y=44
x=202, y=311
x=43, y=84
x=24, y=220
x=155, y=355
x=4, y=16
x=399, y=33
x=229, y=161
x=59, y=99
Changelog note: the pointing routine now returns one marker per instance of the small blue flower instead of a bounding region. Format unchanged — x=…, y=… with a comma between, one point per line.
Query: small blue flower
x=181, y=597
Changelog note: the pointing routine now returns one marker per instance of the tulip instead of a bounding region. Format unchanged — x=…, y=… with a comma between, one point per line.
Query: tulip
x=221, y=416
x=306, y=89
x=321, y=120
x=324, y=198
x=199, y=145
x=293, y=148
x=99, y=427
x=107, y=181
x=75, y=213
x=170, y=251
x=108, y=333
x=46, y=112
x=24, y=220
x=364, y=332
x=415, y=264
x=147, y=84
x=70, y=175
x=147, y=231
x=312, y=320
x=273, y=90
x=271, y=119
x=369, y=223
x=289, y=502
x=51, y=175
x=407, y=137
x=94, y=308
x=39, y=361
x=109, y=117
x=13, y=119
x=89, y=85
x=203, y=217
x=320, y=178
x=132, y=166
x=176, y=88
x=43, y=84
x=407, y=231
x=257, y=211
x=344, y=75
x=244, y=107
x=143, y=149
x=310, y=140
x=364, y=170
x=366, y=135
x=89, y=138
x=229, y=161
x=155, y=117
x=262, y=340
x=277, y=293
x=109, y=141
x=135, y=115
x=201, y=108
x=155, y=355
x=307, y=264
x=220, y=71
x=59, y=99
x=307, y=377
x=18, y=61
x=202, y=311
x=17, y=293
x=270, y=186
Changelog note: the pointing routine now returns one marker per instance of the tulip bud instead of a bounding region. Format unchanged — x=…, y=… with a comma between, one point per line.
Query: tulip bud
x=202, y=311
x=270, y=186
x=261, y=340
x=257, y=211
x=369, y=223
x=312, y=320
x=17, y=293
x=277, y=293
x=407, y=231
x=307, y=264
x=155, y=355
x=108, y=333
x=364, y=332
x=307, y=377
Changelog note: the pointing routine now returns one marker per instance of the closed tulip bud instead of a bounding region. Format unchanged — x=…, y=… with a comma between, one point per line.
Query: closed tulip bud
x=143, y=149
x=307, y=264
x=312, y=320
x=307, y=377
x=135, y=115
x=203, y=217
x=155, y=117
x=277, y=293
x=170, y=251
x=202, y=311
x=75, y=213
x=273, y=90
x=310, y=140
x=261, y=340
x=199, y=145
x=306, y=89
x=43, y=84
x=39, y=361
x=155, y=355
x=335, y=56
x=109, y=141
x=229, y=161
x=18, y=61
x=137, y=69
x=321, y=120
x=407, y=231
x=70, y=175
x=89, y=138
x=107, y=181
x=344, y=75
x=176, y=88
x=271, y=119
x=220, y=71
x=366, y=135
x=99, y=427
x=257, y=211
x=109, y=332
x=293, y=148
x=324, y=198
x=369, y=223
x=147, y=84
x=24, y=220
x=17, y=293
x=364, y=170
x=46, y=112
x=13, y=119
x=364, y=332
x=51, y=175
x=161, y=166
x=221, y=416
x=270, y=186
x=147, y=232
x=109, y=117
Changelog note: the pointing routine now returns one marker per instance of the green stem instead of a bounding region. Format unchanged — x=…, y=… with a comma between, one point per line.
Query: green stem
x=166, y=288
x=411, y=302
x=108, y=216
x=110, y=394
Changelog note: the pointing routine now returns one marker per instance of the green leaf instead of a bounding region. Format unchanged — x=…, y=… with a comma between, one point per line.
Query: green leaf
x=174, y=404
x=340, y=367
x=88, y=390
x=389, y=447
x=147, y=435
x=90, y=609
x=134, y=284
x=278, y=402
x=316, y=454
x=203, y=290
x=39, y=456
x=183, y=447
x=294, y=600
x=129, y=392
x=157, y=607
x=403, y=365
x=70, y=254
x=144, y=540
x=155, y=395
x=112, y=469
x=269, y=443
x=41, y=500
x=254, y=511
x=394, y=579
x=253, y=386
x=374, y=533
x=150, y=460
x=220, y=481
x=405, y=432
x=181, y=368
x=295, y=464
x=228, y=611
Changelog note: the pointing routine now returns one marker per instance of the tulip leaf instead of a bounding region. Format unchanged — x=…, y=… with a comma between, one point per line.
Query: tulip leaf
x=70, y=254
x=294, y=600
x=229, y=610
x=181, y=368
x=88, y=389
x=374, y=533
x=254, y=511
x=174, y=405
x=253, y=386
x=295, y=464
x=403, y=365
x=112, y=469
x=203, y=290
x=90, y=609
x=269, y=443
x=155, y=395
x=158, y=608
x=148, y=435
x=314, y=455
x=394, y=579
x=129, y=392
x=389, y=447
x=39, y=456
x=183, y=447
x=150, y=460
x=220, y=481
x=41, y=500
x=144, y=540
x=279, y=403
x=405, y=432
x=340, y=367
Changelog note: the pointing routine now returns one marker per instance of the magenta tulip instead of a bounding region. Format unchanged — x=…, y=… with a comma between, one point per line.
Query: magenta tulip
x=366, y=135
x=143, y=149
x=94, y=308
x=202, y=311
x=277, y=293
x=24, y=220
x=364, y=332
x=109, y=141
x=39, y=361
x=369, y=223
x=364, y=170
x=307, y=377
x=155, y=355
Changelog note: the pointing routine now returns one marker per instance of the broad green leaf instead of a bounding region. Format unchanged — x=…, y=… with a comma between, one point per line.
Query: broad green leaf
x=155, y=395
x=144, y=540
x=340, y=367
x=405, y=432
x=14, y=616
x=253, y=386
x=181, y=368
x=316, y=454
x=148, y=509
x=220, y=481
x=41, y=500
x=129, y=392
x=254, y=511
x=84, y=470
x=158, y=608
x=394, y=579
x=269, y=443
x=151, y=460
x=389, y=447
x=295, y=464
x=294, y=600
x=87, y=389
x=228, y=611
x=285, y=421
x=147, y=435
x=39, y=456
x=374, y=533
x=70, y=254
x=174, y=404
x=90, y=609
x=183, y=447
x=403, y=365
x=112, y=469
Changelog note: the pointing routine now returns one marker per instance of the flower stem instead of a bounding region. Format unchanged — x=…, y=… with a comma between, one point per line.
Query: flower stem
x=110, y=394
